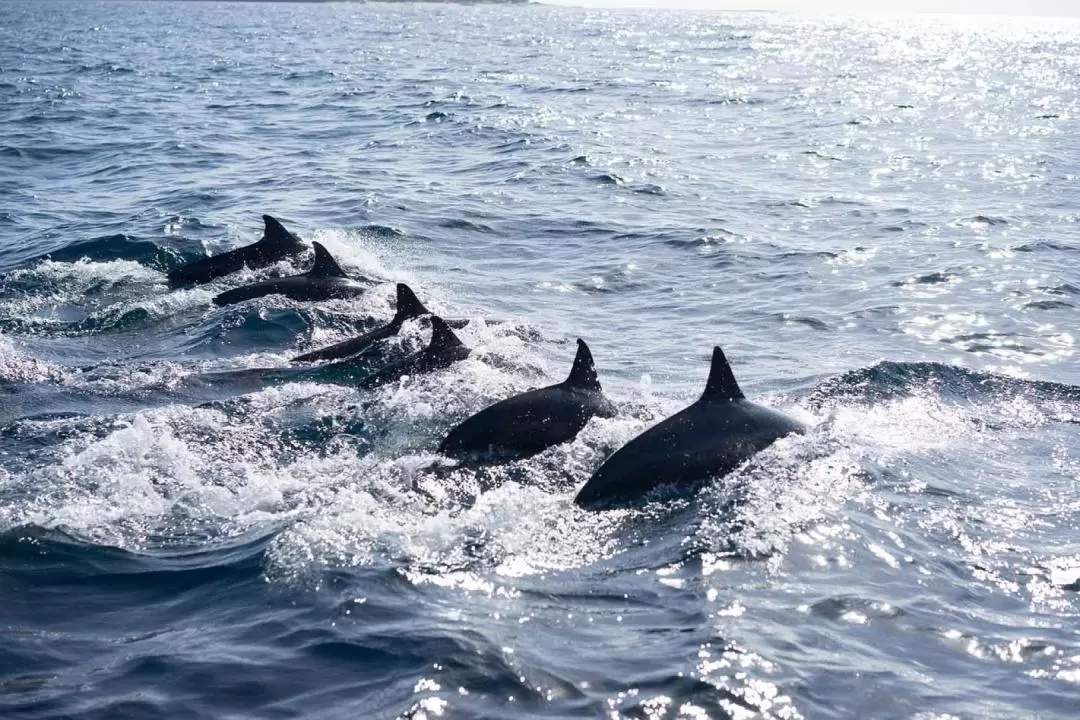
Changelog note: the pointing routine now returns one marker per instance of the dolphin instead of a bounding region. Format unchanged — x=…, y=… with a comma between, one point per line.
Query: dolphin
x=709, y=439
x=524, y=425
x=275, y=245
x=408, y=307
x=443, y=351
x=324, y=281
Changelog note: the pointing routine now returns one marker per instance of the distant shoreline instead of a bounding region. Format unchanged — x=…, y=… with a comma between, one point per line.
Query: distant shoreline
x=363, y=2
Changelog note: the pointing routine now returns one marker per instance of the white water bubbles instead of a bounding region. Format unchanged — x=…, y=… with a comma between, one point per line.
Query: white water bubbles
x=157, y=472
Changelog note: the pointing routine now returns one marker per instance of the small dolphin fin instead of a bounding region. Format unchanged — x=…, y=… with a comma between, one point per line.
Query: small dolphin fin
x=721, y=384
x=408, y=305
x=325, y=264
x=442, y=336
x=583, y=373
x=274, y=233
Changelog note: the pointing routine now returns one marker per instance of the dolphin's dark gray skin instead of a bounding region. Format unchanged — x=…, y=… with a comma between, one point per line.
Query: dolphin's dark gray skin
x=324, y=281
x=524, y=425
x=443, y=351
x=709, y=439
x=408, y=307
x=275, y=245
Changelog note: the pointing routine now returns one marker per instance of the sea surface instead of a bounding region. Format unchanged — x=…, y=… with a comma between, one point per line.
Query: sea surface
x=877, y=218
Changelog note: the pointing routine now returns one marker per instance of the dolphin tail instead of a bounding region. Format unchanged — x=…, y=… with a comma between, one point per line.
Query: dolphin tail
x=583, y=373
x=442, y=337
x=408, y=305
x=274, y=233
x=721, y=384
x=325, y=264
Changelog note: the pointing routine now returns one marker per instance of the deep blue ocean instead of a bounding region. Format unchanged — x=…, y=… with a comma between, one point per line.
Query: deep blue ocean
x=878, y=219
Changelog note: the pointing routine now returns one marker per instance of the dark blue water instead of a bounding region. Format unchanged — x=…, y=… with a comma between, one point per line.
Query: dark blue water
x=878, y=219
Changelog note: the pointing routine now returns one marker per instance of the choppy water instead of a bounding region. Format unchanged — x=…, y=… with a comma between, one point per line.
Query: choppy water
x=877, y=218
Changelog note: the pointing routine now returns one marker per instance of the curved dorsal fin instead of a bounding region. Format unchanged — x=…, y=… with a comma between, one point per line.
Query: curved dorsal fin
x=408, y=305
x=325, y=264
x=721, y=384
x=274, y=233
x=583, y=373
x=442, y=336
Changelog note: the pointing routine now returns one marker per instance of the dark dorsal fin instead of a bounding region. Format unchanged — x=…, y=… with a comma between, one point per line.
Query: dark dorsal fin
x=325, y=264
x=721, y=384
x=442, y=336
x=583, y=373
x=408, y=305
x=274, y=233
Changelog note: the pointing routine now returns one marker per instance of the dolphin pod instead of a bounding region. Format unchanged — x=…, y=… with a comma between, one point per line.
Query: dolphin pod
x=707, y=440
x=324, y=281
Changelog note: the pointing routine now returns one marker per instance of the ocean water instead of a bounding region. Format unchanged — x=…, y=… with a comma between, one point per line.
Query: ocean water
x=878, y=219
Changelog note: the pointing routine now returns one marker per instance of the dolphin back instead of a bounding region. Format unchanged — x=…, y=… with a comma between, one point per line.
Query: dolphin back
x=408, y=307
x=709, y=439
x=275, y=245
x=524, y=425
x=208, y=269
x=685, y=451
x=442, y=351
x=350, y=347
x=520, y=426
x=247, y=292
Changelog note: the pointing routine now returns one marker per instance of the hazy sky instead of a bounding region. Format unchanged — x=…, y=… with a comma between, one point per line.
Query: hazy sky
x=996, y=7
